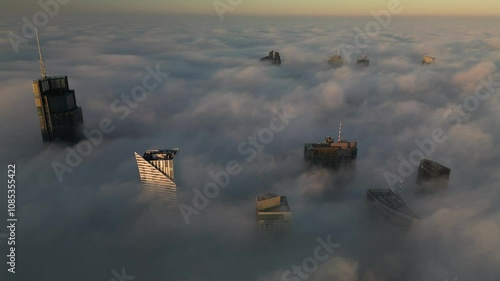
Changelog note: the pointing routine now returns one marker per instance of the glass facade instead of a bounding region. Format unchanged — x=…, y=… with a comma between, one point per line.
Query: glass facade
x=273, y=214
x=432, y=176
x=156, y=169
x=391, y=209
x=59, y=116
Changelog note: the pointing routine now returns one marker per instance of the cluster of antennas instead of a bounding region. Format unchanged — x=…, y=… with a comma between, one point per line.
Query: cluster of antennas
x=330, y=140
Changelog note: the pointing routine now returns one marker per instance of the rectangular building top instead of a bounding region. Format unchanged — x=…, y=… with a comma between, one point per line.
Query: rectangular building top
x=330, y=143
x=430, y=166
x=267, y=196
x=50, y=78
x=272, y=203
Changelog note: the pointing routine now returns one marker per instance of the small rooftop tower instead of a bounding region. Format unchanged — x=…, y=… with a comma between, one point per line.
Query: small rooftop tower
x=363, y=60
x=42, y=66
x=337, y=60
x=428, y=60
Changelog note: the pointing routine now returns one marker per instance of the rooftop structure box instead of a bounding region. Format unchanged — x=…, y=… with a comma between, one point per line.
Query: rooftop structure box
x=331, y=154
x=432, y=176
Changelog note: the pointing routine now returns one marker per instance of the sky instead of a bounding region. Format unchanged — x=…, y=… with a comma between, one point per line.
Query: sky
x=217, y=96
x=277, y=7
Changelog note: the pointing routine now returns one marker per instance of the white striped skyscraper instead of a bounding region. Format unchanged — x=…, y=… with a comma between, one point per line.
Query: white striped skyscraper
x=156, y=169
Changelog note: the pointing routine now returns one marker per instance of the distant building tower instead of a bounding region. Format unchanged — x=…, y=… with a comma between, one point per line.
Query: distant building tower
x=337, y=60
x=363, y=60
x=341, y=154
x=273, y=214
x=156, y=169
x=273, y=57
x=432, y=176
x=427, y=60
x=59, y=116
x=391, y=209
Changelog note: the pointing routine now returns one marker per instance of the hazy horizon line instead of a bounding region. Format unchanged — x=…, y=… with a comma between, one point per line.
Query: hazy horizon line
x=238, y=14
x=235, y=13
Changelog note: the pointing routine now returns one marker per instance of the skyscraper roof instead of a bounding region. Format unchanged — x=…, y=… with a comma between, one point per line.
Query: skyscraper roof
x=388, y=198
x=160, y=154
x=271, y=202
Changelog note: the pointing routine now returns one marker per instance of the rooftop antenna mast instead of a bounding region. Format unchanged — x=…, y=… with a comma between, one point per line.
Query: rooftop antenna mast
x=400, y=187
x=340, y=131
x=42, y=66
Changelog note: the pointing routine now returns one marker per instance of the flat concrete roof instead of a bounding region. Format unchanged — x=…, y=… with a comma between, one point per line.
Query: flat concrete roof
x=282, y=208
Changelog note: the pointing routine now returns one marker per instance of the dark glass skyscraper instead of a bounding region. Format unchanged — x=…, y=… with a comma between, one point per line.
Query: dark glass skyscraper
x=391, y=209
x=432, y=176
x=59, y=116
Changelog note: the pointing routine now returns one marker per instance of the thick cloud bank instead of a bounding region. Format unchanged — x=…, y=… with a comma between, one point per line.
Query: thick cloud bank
x=216, y=96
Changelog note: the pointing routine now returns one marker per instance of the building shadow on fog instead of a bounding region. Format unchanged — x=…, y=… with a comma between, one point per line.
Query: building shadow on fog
x=333, y=185
x=341, y=185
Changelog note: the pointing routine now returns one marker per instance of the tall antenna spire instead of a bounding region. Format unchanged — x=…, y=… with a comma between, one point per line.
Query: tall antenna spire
x=400, y=188
x=338, y=52
x=340, y=131
x=42, y=67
